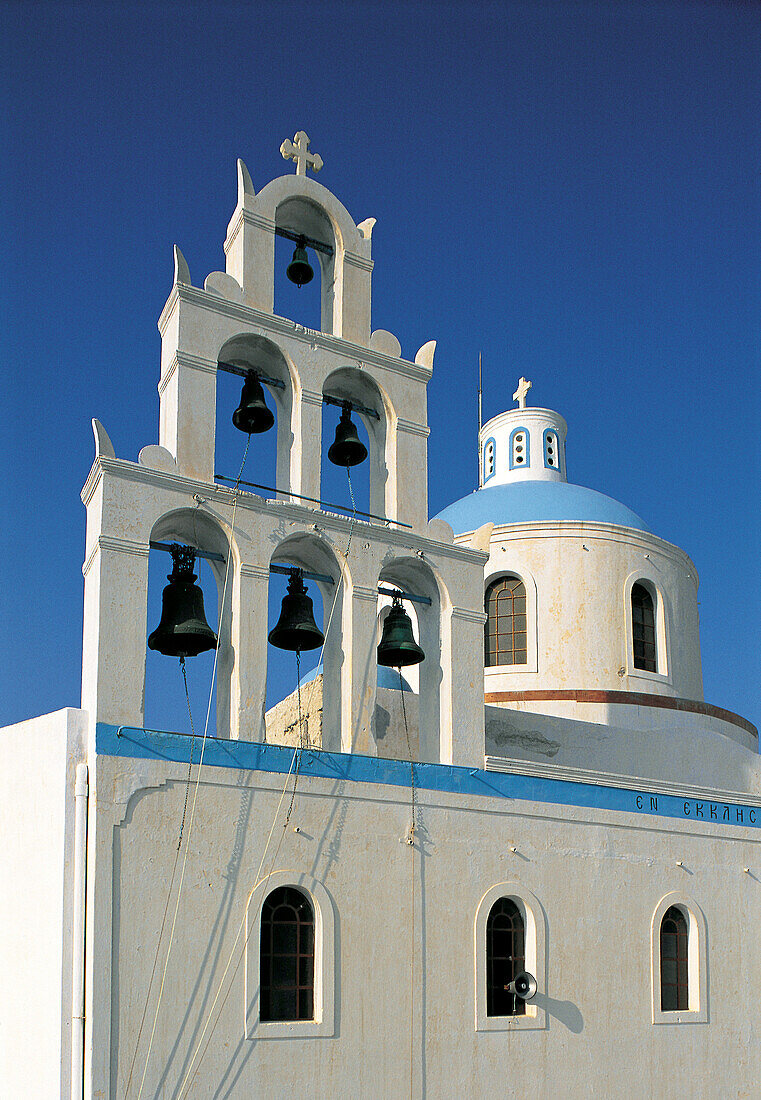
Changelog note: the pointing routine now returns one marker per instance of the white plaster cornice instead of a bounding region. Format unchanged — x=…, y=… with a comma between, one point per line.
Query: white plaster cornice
x=468, y=615
x=311, y=397
x=92, y=482
x=243, y=216
x=331, y=523
x=169, y=307
x=589, y=531
x=614, y=779
x=271, y=323
x=354, y=260
x=185, y=359
x=363, y=592
x=410, y=426
x=121, y=546
x=247, y=569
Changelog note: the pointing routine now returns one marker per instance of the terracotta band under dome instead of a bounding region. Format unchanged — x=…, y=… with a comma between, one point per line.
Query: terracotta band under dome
x=630, y=698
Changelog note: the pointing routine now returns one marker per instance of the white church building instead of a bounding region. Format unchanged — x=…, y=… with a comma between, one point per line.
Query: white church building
x=334, y=897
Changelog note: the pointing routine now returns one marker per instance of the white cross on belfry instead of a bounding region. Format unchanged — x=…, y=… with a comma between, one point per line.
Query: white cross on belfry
x=298, y=150
x=520, y=393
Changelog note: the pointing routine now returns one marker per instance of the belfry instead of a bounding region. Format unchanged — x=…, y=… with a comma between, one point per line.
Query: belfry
x=494, y=841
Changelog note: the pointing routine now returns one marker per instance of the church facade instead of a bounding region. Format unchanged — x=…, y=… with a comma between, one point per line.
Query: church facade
x=341, y=895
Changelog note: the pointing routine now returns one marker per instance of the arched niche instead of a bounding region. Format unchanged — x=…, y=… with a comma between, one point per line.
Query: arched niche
x=302, y=205
x=301, y=215
x=414, y=575
x=360, y=388
x=253, y=352
x=314, y=555
x=195, y=527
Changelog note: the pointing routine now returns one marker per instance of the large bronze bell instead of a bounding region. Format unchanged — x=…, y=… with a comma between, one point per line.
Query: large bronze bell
x=252, y=415
x=299, y=270
x=397, y=646
x=296, y=628
x=183, y=630
x=347, y=449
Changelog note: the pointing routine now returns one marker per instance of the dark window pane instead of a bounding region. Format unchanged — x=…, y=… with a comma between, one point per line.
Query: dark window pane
x=643, y=629
x=287, y=956
x=674, y=964
x=283, y=938
x=504, y=958
x=306, y=1011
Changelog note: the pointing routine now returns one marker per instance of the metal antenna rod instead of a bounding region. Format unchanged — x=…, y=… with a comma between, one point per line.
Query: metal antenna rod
x=478, y=444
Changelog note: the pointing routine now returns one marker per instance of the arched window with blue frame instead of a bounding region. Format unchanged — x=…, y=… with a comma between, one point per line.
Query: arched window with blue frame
x=519, y=448
x=489, y=459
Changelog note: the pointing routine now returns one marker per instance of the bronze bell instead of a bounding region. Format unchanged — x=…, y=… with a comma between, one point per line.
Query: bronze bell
x=397, y=646
x=299, y=270
x=296, y=628
x=347, y=449
x=252, y=415
x=183, y=630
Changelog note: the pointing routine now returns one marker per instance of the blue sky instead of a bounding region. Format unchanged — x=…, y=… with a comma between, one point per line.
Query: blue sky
x=570, y=187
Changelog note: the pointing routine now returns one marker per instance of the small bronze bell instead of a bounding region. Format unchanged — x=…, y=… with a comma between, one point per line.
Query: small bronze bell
x=252, y=415
x=347, y=449
x=296, y=628
x=397, y=646
x=183, y=630
x=299, y=270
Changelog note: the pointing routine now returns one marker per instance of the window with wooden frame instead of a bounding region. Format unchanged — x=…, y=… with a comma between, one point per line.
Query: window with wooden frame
x=287, y=956
x=505, y=958
x=505, y=631
x=643, y=629
x=675, y=993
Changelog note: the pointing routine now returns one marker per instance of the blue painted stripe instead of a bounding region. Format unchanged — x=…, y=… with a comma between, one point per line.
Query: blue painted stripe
x=127, y=741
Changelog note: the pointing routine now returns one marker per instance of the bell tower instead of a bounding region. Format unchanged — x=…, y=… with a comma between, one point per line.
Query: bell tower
x=171, y=494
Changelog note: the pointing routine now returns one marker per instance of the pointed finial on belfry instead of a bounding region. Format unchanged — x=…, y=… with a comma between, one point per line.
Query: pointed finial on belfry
x=298, y=150
x=520, y=393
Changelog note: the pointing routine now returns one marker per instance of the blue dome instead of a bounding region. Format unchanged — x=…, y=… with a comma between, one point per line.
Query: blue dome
x=387, y=678
x=537, y=502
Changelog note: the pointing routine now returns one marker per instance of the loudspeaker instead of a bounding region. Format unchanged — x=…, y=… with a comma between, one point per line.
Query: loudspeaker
x=523, y=985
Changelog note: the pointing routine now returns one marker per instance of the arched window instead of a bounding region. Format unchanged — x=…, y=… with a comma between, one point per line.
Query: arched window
x=519, y=448
x=674, y=961
x=287, y=956
x=505, y=631
x=489, y=453
x=505, y=957
x=643, y=629
x=551, y=450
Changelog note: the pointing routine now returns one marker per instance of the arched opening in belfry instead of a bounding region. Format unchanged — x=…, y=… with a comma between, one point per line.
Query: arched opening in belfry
x=421, y=713
x=361, y=486
x=174, y=609
x=268, y=457
x=304, y=238
x=395, y=720
x=307, y=688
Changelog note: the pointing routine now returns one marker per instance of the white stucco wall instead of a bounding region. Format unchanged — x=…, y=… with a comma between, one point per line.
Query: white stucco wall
x=578, y=578
x=404, y=916
x=38, y=762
